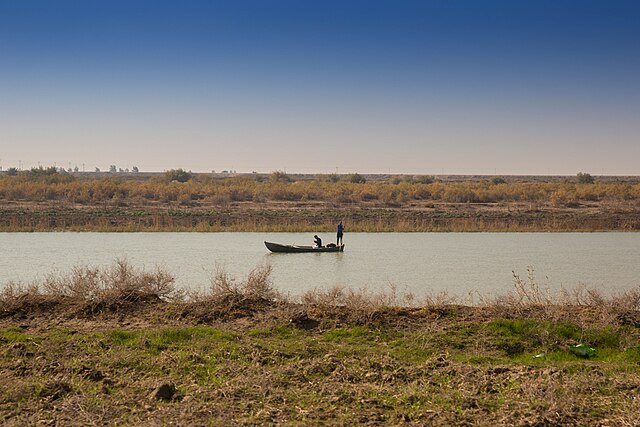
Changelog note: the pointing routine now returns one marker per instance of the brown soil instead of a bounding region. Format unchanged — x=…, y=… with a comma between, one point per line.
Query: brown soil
x=68, y=372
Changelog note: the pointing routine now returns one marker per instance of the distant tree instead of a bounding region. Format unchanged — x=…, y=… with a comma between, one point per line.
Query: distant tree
x=280, y=176
x=12, y=171
x=40, y=171
x=356, y=178
x=424, y=179
x=120, y=170
x=498, y=180
x=76, y=169
x=135, y=169
x=113, y=169
x=179, y=175
x=98, y=170
x=584, y=178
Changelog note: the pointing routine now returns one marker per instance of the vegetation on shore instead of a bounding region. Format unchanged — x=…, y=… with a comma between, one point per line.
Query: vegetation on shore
x=182, y=188
x=44, y=199
x=123, y=346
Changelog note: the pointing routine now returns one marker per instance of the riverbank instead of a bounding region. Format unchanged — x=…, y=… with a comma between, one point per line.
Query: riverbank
x=314, y=217
x=46, y=200
x=123, y=347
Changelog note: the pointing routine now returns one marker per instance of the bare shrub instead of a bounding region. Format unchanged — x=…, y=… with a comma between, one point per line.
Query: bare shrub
x=12, y=290
x=332, y=296
x=12, y=293
x=95, y=289
x=222, y=284
x=439, y=299
x=82, y=283
x=355, y=304
x=526, y=292
x=339, y=302
x=228, y=298
x=583, y=296
x=18, y=298
x=628, y=300
x=529, y=299
x=257, y=286
x=123, y=279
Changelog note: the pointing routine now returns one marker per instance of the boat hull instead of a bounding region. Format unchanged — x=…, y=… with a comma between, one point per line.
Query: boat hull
x=276, y=247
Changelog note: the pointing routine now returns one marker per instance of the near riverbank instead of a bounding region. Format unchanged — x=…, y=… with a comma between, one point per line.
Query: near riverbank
x=120, y=346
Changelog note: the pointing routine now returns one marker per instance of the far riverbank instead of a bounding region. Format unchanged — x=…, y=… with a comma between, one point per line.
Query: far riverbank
x=52, y=200
x=314, y=217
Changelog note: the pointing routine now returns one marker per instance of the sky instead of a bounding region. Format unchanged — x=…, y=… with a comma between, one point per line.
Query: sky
x=497, y=87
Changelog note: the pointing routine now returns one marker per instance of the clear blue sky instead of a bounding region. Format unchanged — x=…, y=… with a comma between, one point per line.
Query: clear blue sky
x=426, y=87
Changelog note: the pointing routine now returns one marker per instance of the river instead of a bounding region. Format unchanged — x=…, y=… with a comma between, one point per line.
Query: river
x=420, y=263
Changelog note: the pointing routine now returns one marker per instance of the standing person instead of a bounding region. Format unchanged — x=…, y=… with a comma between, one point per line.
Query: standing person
x=340, y=232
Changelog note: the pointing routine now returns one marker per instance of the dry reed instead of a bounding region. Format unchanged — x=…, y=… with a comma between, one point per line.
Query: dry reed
x=121, y=287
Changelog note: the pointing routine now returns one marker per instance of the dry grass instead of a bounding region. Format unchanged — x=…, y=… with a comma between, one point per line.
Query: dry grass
x=205, y=189
x=121, y=288
x=91, y=290
x=253, y=203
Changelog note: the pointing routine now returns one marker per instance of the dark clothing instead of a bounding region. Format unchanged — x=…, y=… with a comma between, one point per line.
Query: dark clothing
x=317, y=241
x=339, y=238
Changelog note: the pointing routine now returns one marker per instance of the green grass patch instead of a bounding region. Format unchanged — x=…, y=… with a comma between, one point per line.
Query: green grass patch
x=123, y=338
x=280, y=332
x=349, y=335
x=14, y=334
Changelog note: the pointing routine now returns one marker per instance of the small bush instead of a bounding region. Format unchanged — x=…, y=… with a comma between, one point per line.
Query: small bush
x=584, y=178
x=257, y=286
x=424, y=179
x=333, y=177
x=179, y=175
x=280, y=176
x=91, y=290
x=498, y=180
x=355, y=178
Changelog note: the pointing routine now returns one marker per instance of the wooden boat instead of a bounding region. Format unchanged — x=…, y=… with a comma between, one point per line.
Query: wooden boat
x=276, y=247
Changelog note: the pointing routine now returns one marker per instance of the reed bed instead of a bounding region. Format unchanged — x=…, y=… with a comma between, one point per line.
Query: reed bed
x=205, y=190
x=44, y=202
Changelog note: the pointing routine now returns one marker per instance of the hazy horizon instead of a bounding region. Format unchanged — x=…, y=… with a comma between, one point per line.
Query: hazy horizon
x=429, y=87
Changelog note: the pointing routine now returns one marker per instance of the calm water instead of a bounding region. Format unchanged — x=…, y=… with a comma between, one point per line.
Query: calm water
x=422, y=263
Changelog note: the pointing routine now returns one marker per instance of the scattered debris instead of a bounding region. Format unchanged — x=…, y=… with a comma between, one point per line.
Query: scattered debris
x=583, y=351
